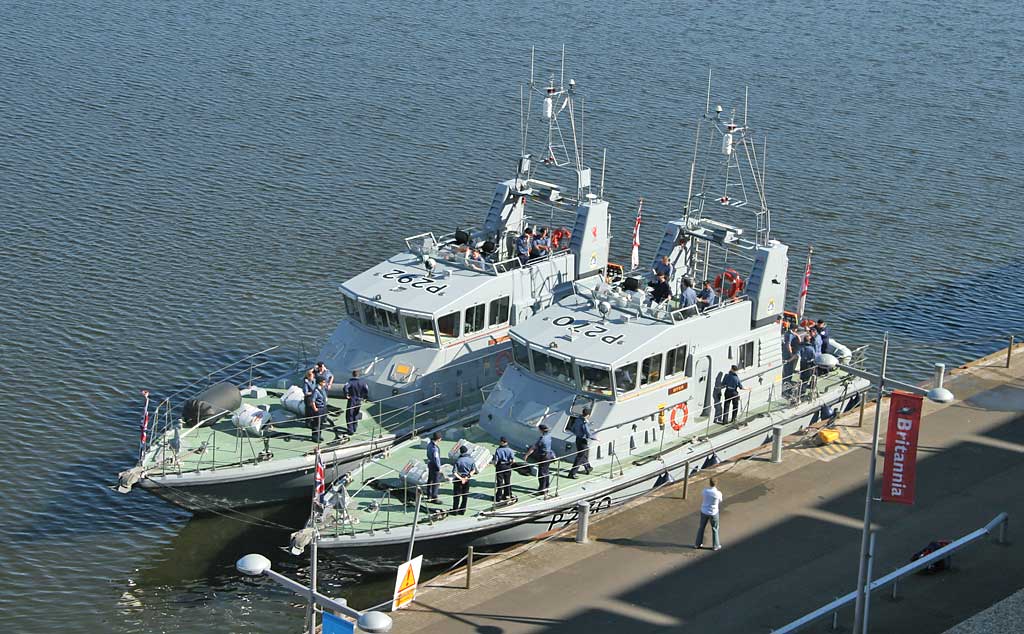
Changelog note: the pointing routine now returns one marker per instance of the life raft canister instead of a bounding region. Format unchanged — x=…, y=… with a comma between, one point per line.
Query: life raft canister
x=683, y=412
x=734, y=283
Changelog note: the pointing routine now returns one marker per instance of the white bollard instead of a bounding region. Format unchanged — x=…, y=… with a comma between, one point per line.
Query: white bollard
x=776, y=444
x=583, y=523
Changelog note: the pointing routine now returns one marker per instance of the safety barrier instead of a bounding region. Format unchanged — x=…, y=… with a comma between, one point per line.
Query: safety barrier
x=946, y=552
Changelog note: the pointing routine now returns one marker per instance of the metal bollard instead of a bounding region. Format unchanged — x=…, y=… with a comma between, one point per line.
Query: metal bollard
x=776, y=444
x=1009, y=351
x=583, y=523
x=686, y=479
x=469, y=566
x=1002, y=531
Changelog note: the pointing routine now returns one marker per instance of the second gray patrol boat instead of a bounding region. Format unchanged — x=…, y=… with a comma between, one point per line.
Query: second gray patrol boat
x=649, y=372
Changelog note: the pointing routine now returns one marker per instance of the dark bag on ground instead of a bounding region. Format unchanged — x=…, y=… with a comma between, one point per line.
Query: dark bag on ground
x=936, y=566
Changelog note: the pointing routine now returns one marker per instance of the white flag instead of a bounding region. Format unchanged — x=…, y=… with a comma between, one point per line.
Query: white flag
x=634, y=259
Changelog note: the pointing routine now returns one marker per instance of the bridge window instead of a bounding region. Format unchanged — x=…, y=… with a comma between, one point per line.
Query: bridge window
x=552, y=367
x=448, y=327
x=625, y=378
x=352, y=308
x=475, y=318
x=675, y=361
x=499, y=311
x=382, y=319
x=650, y=370
x=596, y=380
x=521, y=354
x=419, y=329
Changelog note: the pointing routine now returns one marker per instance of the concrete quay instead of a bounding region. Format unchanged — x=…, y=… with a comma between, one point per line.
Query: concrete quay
x=791, y=537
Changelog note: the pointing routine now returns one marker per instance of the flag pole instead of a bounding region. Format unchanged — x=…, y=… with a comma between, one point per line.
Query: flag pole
x=804, y=286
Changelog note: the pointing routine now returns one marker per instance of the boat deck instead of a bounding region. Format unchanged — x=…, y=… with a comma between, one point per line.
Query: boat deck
x=223, y=446
x=381, y=500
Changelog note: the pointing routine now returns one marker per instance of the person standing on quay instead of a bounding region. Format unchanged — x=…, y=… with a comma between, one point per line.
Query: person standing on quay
x=711, y=499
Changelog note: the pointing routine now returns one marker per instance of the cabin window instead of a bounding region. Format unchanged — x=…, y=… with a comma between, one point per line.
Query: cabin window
x=352, y=308
x=521, y=354
x=475, y=318
x=746, y=355
x=382, y=319
x=650, y=370
x=448, y=327
x=596, y=380
x=552, y=367
x=499, y=311
x=675, y=361
x=419, y=329
x=625, y=378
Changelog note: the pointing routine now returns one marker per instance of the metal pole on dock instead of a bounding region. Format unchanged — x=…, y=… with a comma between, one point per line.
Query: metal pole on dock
x=777, y=444
x=415, y=521
x=583, y=525
x=1009, y=351
x=469, y=567
x=311, y=610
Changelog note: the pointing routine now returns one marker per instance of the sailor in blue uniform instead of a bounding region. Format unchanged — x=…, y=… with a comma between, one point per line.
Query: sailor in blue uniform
x=807, y=365
x=503, y=459
x=321, y=371
x=355, y=391
x=308, y=387
x=816, y=341
x=732, y=384
x=706, y=298
x=663, y=267
x=790, y=358
x=825, y=335
x=524, y=244
x=541, y=245
x=581, y=428
x=689, y=296
x=434, y=468
x=544, y=457
x=464, y=470
x=319, y=409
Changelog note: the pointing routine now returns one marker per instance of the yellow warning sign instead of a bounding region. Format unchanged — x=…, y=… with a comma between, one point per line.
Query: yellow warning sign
x=405, y=583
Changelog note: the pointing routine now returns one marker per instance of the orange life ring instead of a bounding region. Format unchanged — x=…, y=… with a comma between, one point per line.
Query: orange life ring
x=559, y=235
x=734, y=281
x=501, y=360
x=681, y=407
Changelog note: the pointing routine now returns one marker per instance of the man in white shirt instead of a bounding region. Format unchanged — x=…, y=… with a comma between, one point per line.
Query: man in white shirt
x=711, y=498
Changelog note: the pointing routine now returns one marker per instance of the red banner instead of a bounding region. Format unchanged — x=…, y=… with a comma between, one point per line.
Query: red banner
x=900, y=471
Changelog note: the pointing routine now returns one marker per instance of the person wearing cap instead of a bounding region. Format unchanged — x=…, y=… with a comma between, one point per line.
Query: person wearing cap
x=464, y=470
x=544, y=457
x=308, y=387
x=355, y=391
x=319, y=409
x=503, y=459
x=434, y=468
x=580, y=426
x=321, y=371
x=825, y=335
x=732, y=384
x=706, y=298
x=808, y=364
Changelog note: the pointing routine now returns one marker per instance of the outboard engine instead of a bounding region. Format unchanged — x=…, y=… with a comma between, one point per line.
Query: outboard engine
x=212, y=404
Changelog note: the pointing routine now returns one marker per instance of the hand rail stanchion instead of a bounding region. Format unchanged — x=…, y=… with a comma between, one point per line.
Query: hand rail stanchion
x=686, y=479
x=415, y=521
x=1009, y=351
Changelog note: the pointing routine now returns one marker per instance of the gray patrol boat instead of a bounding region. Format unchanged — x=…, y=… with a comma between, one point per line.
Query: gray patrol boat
x=427, y=329
x=649, y=372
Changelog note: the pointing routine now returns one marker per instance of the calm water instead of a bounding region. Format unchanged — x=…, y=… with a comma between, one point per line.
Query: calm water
x=184, y=182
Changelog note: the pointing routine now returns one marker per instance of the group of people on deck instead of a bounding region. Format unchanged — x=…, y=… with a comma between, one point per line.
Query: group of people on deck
x=316, y=384
x=661, y=288
x=800, y=349
x=540, y=452
x=532, y=245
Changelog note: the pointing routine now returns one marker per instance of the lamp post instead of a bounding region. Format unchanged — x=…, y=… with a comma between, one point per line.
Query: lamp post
x=257, y=565
x=937, y=394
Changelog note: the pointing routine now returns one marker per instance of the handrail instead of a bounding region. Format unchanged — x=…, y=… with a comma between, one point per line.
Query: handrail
x=1001, y=520
x=210, y=374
